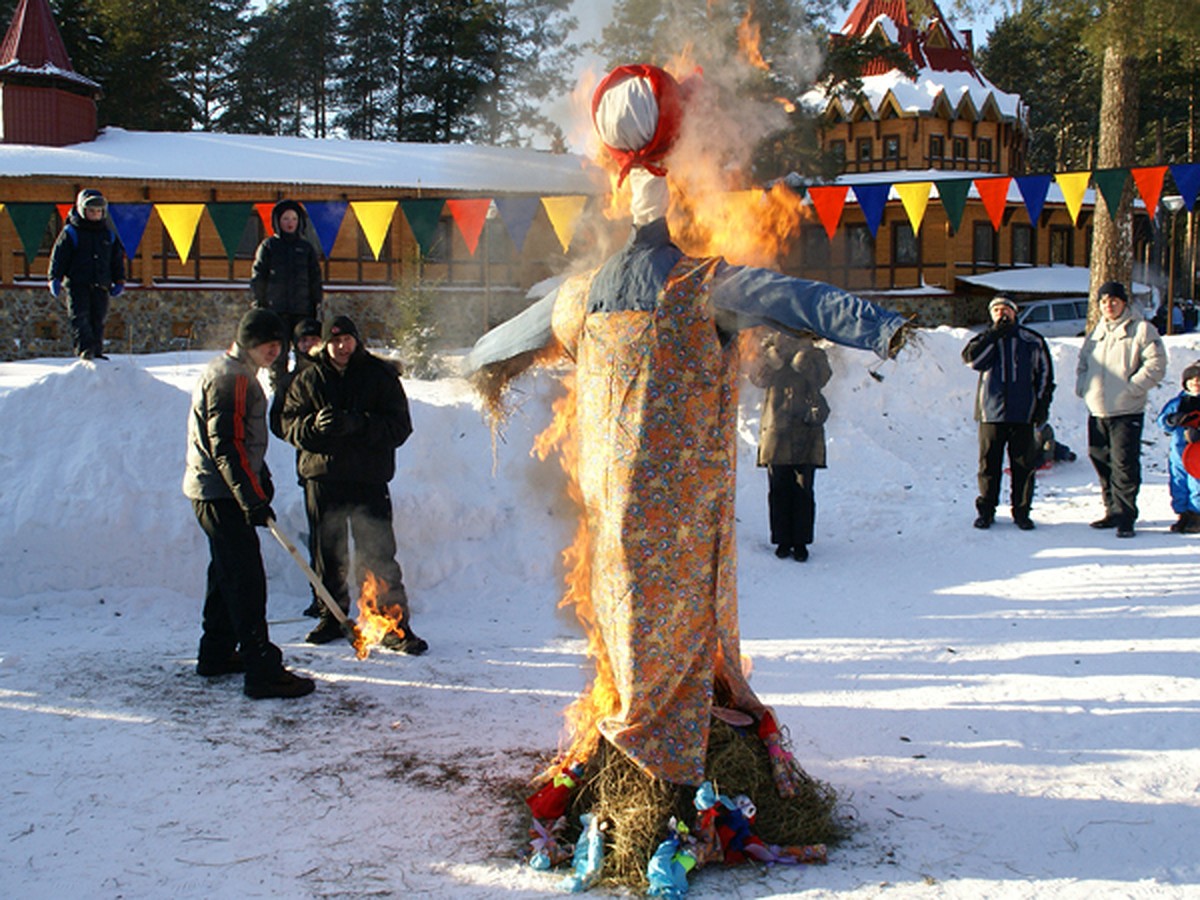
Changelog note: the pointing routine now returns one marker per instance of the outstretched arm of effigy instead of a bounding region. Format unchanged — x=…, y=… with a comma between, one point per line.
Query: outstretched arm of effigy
x=522, y=335
x=764, y=297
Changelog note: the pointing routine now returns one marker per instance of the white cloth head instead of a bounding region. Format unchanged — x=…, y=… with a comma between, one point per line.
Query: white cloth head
x=627, y=114
x=650, y=196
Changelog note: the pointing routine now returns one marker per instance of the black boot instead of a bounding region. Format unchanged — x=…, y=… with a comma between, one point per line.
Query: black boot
x=410, y=644
x=782, y=551
x=282, y=684
x=1179, y=526
x=233, y=664
x=987, y=514
x=327, y=630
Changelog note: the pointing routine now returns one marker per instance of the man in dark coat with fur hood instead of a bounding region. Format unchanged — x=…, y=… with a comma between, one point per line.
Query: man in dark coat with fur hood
x=286, y=276
x=347, y=413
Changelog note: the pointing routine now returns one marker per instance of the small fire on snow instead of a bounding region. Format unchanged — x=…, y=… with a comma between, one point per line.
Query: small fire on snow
x=373, y=622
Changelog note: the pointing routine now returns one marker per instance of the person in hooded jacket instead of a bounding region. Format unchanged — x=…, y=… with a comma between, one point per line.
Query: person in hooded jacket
x=89, y=260
x=1178, y=418
x=286, y=275
x=229, y=484
x=347, y=413
x=1119, y=363
x=791, y=442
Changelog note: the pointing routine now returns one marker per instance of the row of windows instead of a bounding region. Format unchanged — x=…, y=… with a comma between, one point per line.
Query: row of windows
x=959, y=149
x=906, y=249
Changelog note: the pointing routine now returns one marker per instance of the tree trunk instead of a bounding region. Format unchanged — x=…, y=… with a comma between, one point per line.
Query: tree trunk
x=1112, y=238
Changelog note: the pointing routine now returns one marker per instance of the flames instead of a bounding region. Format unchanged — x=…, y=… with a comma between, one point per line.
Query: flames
x=374, y=623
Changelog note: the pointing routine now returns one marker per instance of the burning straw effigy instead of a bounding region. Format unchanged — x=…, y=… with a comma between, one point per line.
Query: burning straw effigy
x=670, y=760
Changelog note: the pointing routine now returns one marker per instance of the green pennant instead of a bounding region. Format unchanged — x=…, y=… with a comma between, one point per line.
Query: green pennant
x=953, y=194
x=1111, y=183
x=230, y=220
x=30, y=220
x=423, y=216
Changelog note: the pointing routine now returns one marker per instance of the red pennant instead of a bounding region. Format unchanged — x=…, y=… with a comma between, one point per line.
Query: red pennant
x=1149, y=181
x=470, y=216
x=264, y=213
x=64, y=210
x=994, y=194
x=829, y=201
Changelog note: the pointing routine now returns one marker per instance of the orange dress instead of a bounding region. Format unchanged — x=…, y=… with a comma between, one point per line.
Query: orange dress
x=656, y=417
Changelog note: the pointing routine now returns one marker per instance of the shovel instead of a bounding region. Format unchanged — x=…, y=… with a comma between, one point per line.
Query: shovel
x=343, y=620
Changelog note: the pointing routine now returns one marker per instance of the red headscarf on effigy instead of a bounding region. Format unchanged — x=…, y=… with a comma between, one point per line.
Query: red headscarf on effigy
x=669, y=98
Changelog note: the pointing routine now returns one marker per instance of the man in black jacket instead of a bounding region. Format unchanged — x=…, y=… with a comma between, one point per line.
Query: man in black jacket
x=347, y=413
x=89, y=258
x=229, y=484
x=1016, y=384
x=286, y=275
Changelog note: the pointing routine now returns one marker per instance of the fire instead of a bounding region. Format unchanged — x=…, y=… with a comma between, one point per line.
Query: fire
x=749, y=34
x=373, y=623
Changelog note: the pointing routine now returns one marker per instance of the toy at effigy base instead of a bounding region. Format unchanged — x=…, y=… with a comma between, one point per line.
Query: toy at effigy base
x=647, y=435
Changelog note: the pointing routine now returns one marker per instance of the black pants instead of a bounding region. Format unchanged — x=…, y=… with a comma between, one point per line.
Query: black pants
x=791, y=504
x=280, y=366
x=1018, y=437
x=1115, y=448
x=87, y=308
x=339, y=510
x=235, y=600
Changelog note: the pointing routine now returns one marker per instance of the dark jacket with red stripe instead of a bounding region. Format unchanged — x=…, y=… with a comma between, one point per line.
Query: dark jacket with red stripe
x=227, y=435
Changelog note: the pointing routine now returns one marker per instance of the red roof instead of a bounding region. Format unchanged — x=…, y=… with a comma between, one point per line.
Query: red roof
x=33, y=39
x=948, y=55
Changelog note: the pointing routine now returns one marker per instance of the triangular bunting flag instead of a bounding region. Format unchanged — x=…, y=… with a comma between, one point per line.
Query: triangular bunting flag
x=64, y=210
x=230, y=220
x=326, y=217
x=31, y=221
x=872, y=198
x=915, y=197
x=130, y=221
x=1033, y=190
x=180, y=220
x=1073, y=185
x=994, y=194
x=953, y=194
x=264, y=216
x=829, y=201
x=1187, y=182
x=1111, y=184
x=423, y=217
x=564, y=213
x=517, y=214
x=469, y=216
x=1149, y=181
x=374, y=218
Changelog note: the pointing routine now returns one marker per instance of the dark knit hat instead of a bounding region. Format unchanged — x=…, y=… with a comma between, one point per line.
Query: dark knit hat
x=1002, y=300
x=260, y=326
x=1192, y=371
x=340, y=325
x=306, y=328
x=1113, y=289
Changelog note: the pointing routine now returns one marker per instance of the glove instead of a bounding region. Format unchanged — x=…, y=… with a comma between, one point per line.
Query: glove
x=1172, y=420
x=326, y=421
x=258, y=515
x=1191, y=435
x=56, y=288
x=117, y=289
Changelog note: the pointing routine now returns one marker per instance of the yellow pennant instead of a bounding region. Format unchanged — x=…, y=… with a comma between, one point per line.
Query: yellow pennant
x=564, y=213
x=915, y=197
x=1073, y=185
x=374, y=218
x=180, y=220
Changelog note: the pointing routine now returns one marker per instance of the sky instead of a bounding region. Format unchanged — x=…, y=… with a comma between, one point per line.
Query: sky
x=1003, y=714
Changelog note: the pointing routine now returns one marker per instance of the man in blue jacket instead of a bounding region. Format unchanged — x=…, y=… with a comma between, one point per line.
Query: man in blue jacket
x=1016, y=384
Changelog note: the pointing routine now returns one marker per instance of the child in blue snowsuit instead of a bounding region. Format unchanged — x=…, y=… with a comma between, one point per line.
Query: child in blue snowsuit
x=1185, y=490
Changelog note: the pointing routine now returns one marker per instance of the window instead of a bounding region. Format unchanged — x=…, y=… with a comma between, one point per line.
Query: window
x=838, y=150
x=816, y=246
x=905, y=249
x=1037, y=314
x=860, y=247
x=984, y=147
x=864, y=148
x=960, y=149
x=1061, y=248
x=1023, y=246
x=891, y=148
x=937, y=147
x=983, y=244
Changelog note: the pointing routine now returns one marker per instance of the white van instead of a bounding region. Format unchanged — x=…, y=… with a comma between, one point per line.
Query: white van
x=1055, y=317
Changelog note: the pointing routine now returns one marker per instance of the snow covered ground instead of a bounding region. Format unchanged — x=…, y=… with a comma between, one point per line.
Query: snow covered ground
x=1005, y=714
